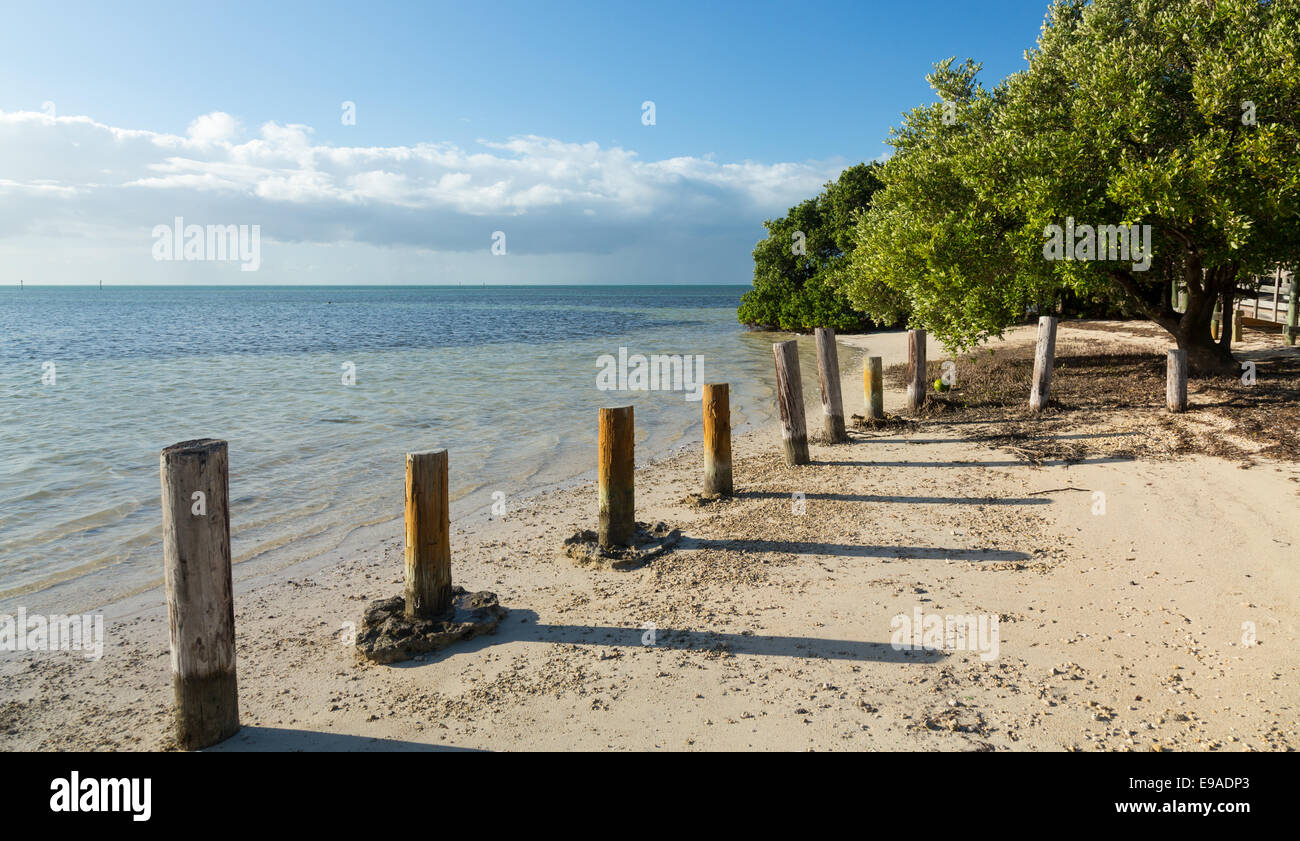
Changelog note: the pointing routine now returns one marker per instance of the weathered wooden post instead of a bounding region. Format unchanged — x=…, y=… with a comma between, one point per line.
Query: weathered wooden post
x=430, y=614
x=1236, y=325
x=789, y=402
x=1292, y=310
x=717, y=440
x=872, y=388
x=915, y=369
x=200, y=593
x=828, y=374
x=1044, y=357
x=1176, y=380
x=428, y=536
x=616, y=464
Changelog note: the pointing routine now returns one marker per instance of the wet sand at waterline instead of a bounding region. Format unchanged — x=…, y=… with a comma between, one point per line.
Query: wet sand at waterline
x=1117, y=631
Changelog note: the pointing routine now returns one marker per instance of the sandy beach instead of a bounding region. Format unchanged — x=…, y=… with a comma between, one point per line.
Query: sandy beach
x=769, y=625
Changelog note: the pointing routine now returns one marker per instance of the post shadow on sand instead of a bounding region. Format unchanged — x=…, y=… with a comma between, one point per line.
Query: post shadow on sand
x=853, y=550
x=521, y=625
x=978, y=438
x=910, y=500
x=252, y=738
x=1017, y=463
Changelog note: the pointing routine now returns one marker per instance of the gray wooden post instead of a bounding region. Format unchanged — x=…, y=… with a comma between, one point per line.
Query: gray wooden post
x=1176, y=380
x=199, y=590
x=1044, y=357
x=789, y=401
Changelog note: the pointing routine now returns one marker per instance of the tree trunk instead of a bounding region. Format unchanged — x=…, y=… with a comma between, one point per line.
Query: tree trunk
x=1204, y=355
x=1227, y=298
x=1191, y=328
x=1191, y=331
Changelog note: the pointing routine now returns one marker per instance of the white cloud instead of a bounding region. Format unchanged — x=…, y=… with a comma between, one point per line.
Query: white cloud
x=212, y=128
x=552, y=197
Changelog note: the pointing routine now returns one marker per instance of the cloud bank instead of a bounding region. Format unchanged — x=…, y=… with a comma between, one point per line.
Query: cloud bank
x=72, y=187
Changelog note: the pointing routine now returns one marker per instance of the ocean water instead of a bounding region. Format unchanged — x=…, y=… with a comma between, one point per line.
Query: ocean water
x=503, y=377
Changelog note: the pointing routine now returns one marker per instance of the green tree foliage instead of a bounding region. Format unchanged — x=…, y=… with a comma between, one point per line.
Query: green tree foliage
x=1179, y=114
x=799, y=291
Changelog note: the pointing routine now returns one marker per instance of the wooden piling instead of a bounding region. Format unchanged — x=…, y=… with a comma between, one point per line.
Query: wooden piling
x=828, y=375
x=915, y=369
x=615, y=471
x=1176, y=380
x=717, y=440
x=873, y=388
x=1044, y=357
x=1292, y=326
x=789, y=401
x=428, y=536
x=199, y=590
x=1236, y=325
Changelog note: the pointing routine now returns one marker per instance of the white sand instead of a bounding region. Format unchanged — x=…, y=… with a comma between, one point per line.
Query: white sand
x=1121, y=630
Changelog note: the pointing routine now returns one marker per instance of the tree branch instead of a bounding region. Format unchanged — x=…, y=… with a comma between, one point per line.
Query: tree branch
x=1158, y=311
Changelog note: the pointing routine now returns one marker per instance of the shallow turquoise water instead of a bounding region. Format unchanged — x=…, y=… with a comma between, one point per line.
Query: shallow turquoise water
x=503, y=377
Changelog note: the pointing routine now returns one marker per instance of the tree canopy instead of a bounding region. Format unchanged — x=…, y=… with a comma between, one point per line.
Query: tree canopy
x=1180, y=115
x=797, y=268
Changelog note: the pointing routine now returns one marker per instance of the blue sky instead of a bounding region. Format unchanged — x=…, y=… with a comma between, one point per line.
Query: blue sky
x=524, y=118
